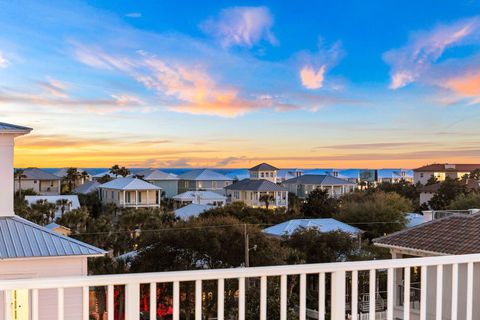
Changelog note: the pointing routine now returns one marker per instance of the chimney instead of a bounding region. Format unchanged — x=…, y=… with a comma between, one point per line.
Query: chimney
x=8, y=132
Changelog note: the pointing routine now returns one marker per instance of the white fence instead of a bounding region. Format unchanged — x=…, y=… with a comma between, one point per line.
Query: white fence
x=337, y=275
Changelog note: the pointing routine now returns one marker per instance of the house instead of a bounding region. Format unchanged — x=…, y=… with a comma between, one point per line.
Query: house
x=255, y=193
x=59, y=229
x=87, y=188
x=28, y=250
x=192, y=210
x=453, y=235
x=167, y=181
x=83, y=176
x=441, y=171
x=102, y=175
x=63, y=203
x=289, y=227
x=130, y=192
x=201, y=197
x=203, y=180
x=286, y=174
x=428, y=191
x=40, y=181
x=264, y=171
x=301, y=186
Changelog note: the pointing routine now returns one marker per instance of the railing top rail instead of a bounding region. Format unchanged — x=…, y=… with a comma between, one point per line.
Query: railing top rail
x=232, y=273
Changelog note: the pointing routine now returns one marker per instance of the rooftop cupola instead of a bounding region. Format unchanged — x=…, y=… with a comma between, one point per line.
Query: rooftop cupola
x=8, y=133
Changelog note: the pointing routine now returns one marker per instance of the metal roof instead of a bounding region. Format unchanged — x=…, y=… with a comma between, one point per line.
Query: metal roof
x=129, y=183
x=255, y=185
x=87, y=187
x=38, y=174
x=289, y=227
x=318, y=179
x=63, y=172
x=73, y=199
x=192, y=210
x=202, y=195
x=12, y=128
x=263, y=167
x=156, y=175
x=203, y=175
x=20, y=238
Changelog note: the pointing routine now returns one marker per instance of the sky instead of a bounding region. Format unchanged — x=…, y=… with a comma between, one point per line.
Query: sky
x=310, y=84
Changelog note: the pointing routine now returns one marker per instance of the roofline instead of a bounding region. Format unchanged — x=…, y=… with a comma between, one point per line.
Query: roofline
x=381, y=245
x=16, y=129
x=59, y=257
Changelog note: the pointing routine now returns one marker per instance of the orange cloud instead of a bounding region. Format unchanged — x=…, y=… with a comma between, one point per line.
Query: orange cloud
x=467, y=85
x=312, y=79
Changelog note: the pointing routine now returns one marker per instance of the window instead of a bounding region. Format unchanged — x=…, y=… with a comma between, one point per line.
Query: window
x=421, y=175
x=226, y=183
x=140, y=197
x=214, y=184
x=271, y=174
x=261, y=174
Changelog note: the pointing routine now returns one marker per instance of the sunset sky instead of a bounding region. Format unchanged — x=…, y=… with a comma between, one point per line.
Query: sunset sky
x=230, y=84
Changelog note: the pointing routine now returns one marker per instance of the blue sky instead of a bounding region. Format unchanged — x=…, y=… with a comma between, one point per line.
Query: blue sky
x=229, y=84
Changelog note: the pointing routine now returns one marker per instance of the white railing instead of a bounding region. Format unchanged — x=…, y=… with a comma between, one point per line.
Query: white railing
x=342, y=277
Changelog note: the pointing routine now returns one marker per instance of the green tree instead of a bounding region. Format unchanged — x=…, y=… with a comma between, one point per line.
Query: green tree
x=448, y=191
x=76, y=220
x=319, y=204
x=71, y=178
x=63, y=205
x=116, y=170
x=45, y=210
x=377, y=213
x=475, y=174
x=465, y=201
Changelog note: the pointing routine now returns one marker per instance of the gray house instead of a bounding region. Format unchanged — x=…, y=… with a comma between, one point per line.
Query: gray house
x=301, y=186
x=203, y=180
x=167, y=181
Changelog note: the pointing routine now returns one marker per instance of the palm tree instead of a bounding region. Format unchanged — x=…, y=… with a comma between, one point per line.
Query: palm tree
x=71, y=177
x=267, y=198
x=115, y=170
x=84, y=175
x=19, y=175
x=62, y=204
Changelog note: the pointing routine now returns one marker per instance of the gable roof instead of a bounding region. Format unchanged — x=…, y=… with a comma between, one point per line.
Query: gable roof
x=289, y=227
x=155, y=174
x=12, y=128
x=87, y=187
x=203, y=175
x=202, y=195
x=38, y=174
x=318, y=179
x=456, y=234
x=446, y=167
x=129, y=183
x=24, y=239
x=263, y=167
x=255, y=185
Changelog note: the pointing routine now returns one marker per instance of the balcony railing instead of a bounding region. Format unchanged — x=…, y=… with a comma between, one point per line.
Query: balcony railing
x=340, y=277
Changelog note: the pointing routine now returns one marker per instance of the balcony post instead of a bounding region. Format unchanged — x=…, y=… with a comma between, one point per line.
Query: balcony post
x=338, y=295
x=132, y=301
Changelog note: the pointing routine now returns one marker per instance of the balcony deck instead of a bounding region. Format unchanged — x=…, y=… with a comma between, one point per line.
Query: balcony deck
x=343, y=280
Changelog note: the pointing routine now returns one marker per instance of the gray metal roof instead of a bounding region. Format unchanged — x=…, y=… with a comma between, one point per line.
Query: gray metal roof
x=12, y=128
x=20, y=238
x=318, y=179
x=156, y=175
x=255, y=185
x=129, y=183
x=203, y=175
x=263, y=167
x=289, y=227
x=38, y=174
x=87, y=187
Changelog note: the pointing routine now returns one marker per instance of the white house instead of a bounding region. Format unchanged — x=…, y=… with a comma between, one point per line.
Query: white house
x=167, y=181
x=130, y=192
x=40, y=181
x=71, y=202
x=442, y=170
x=201, y=197
x=28, y=250
x=302, y=185
x=203, y=180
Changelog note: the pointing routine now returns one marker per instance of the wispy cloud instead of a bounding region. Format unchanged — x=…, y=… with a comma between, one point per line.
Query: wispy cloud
x=241, y=26
x=379, y=145
x=54, y=87
x=133, y=15
x=314, y=65
x=3, y=61
x=412, y=61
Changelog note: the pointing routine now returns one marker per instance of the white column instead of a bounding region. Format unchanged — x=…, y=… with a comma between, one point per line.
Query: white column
x=148, y=200
x=136, y=198
x=6, y=175
x=124, y=198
